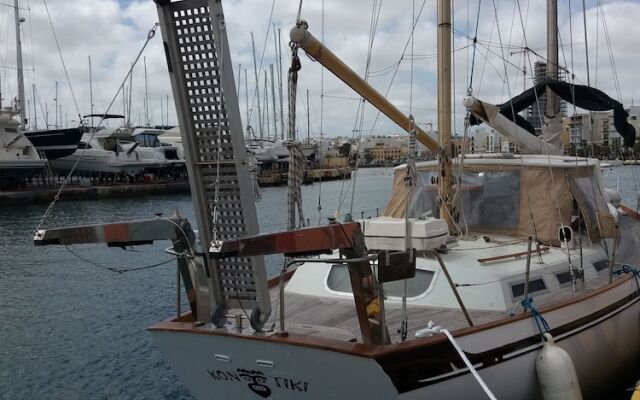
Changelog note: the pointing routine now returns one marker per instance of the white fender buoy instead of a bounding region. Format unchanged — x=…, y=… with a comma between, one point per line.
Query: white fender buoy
x=556, y=373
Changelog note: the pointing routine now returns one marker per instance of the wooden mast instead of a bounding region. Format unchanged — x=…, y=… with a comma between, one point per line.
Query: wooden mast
x=552, y=56
x=444, y=110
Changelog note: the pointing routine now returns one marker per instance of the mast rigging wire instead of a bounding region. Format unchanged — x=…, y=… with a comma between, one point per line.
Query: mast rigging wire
x=264, y=49
x=64, y=66
x=404, y=50
x=49, y=209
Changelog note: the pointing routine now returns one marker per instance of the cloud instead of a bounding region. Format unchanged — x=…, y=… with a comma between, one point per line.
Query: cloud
x=112, y=33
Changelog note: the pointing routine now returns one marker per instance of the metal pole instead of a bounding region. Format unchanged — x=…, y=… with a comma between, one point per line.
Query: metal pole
x=275, y=49
x=35, y=113
x=453, y=286
x=130, y=92
x=162, y=113
x=308, y=125
x=528, y=269
x=255, y=72
x=246, y=100
x=280, y=85
x=239, y=78
x=552, y=55
x=146, y=94
x=90, y=91
x=444, y=108
x=20, y=102
x=266, y=104
x=586, y=54
x=273, y=98
x=613, y=259
x=178, y=300
x=56, y=104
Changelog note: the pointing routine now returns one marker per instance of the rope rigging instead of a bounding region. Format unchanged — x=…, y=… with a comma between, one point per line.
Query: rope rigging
x=51, y=206
x=296, y=156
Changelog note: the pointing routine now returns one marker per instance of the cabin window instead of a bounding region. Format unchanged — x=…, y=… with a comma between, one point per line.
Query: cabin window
x=339, y=281
x=489, y=199
x=564, y=278
x=601, y=265
x=147, y=140
x=83, y=145
x=535, y=285
x=171, y=154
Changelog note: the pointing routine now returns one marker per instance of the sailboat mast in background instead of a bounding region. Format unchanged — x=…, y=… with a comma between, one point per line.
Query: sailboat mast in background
x=20, y=100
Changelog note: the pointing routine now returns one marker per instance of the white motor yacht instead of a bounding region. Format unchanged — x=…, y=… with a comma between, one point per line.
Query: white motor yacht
x=18, y=157
x=108, y=151
x=172, y=137
x=150, y=147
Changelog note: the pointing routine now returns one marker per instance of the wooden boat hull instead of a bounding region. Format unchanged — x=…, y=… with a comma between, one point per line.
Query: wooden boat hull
x=600, y=330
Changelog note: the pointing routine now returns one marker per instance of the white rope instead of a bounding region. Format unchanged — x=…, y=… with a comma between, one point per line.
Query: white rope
x=431, y=330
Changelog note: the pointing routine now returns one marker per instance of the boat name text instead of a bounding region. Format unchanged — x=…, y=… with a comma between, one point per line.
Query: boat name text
x=257, y=381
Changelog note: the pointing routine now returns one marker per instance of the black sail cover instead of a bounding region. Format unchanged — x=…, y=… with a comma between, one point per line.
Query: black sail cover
x=581, y=96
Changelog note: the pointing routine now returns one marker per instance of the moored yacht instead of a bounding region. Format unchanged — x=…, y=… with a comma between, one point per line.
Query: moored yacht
x=479, y=268
x=18, y=157
x=151, y=147
x=107, y=151
x=55, y=143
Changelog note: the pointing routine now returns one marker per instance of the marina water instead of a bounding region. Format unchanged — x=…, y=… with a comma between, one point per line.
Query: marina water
x=75, y=329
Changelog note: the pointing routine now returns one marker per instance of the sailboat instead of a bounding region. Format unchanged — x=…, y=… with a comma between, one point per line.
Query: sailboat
x=50, y=143
x=399, y=306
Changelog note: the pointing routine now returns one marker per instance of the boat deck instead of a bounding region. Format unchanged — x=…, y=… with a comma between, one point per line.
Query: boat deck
x=336, y=319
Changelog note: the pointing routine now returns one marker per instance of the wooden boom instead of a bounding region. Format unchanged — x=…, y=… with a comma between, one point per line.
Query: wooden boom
x=300, y=36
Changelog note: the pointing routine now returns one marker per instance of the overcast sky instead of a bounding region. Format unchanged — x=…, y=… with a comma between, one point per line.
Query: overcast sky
x=112, y=33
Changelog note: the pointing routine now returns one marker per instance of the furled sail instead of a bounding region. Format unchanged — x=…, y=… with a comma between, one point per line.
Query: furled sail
x=581, y=96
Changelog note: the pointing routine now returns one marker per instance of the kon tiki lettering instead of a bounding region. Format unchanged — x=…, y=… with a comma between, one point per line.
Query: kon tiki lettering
x=258, y=382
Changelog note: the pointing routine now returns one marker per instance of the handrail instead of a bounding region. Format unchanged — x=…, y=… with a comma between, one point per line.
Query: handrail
x=291, y=261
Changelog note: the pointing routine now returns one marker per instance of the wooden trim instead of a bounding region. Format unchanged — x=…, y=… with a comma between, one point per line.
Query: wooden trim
x=377, y=351
x=630, y=212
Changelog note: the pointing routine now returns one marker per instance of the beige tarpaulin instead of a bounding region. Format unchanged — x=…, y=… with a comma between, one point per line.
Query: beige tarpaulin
x=544, y=195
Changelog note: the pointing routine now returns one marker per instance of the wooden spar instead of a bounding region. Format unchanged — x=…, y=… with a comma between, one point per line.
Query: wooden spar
x=445, y=180
x=300, y=241
x=324, y=56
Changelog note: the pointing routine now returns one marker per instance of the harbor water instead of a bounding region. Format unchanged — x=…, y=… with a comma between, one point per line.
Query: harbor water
x=75, y=329
x=75, y=318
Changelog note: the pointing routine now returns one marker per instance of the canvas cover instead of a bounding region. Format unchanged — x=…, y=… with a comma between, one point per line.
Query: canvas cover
x=500, y=199
x=581, y=96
